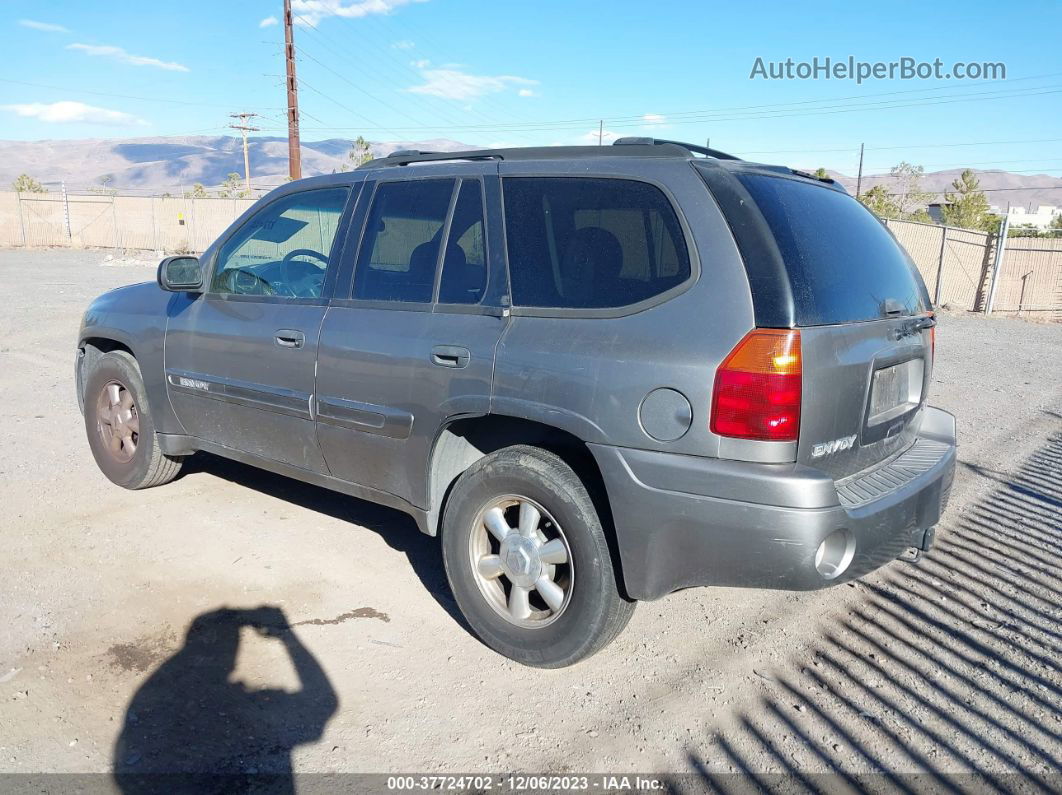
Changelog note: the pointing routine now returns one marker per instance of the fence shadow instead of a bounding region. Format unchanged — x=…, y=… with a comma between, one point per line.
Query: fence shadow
x=948, y=675
x=189, y=728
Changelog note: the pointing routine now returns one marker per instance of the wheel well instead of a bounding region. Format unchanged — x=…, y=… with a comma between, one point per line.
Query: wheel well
x=89, y=351
x=465, y=441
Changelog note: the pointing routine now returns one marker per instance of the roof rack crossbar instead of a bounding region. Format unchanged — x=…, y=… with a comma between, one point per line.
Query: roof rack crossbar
x=701, y=150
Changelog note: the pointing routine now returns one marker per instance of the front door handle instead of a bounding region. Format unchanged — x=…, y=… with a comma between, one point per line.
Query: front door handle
x=289, y=338
x=450, y=356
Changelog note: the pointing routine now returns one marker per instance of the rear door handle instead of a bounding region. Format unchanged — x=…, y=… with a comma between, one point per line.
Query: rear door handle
x=289, y=338
x=450, y=356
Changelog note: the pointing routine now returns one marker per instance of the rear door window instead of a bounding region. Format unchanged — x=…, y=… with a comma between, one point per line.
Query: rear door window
x=400, y=249
x=584, y=242
x=464, y=274
x=844, y=266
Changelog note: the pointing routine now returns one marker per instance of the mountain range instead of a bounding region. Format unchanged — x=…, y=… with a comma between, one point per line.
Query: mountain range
x=173, y=164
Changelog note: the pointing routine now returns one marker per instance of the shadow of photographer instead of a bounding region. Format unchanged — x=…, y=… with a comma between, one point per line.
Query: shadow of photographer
x=191, y=728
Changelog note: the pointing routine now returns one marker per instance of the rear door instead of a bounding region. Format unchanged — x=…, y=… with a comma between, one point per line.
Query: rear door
x=409, y=341
x=865, y=320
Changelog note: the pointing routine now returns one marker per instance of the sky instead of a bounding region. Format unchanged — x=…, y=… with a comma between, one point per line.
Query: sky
x=548, y=72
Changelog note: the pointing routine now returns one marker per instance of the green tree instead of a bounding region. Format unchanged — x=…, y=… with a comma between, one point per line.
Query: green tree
x=1056, y=223
x=906, y=183
x=233, y=187
x=966, y=205
x=820, y=172
x=197, y=192
x=880, y=202
x=27, y=184
x=360, y=153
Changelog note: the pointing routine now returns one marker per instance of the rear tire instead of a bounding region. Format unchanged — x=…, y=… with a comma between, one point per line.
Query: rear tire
x=121, y=433
x=547, y=597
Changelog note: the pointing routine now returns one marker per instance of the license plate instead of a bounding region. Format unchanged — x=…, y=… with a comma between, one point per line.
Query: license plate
x=895, y=390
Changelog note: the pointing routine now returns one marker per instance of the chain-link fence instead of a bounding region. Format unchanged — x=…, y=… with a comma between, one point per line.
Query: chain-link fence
x=160, y=224
x=958, y=266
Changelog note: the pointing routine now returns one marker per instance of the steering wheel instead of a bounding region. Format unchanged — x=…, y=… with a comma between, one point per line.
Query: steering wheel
x=285, y=267
x=235, y=280
x=305, y=252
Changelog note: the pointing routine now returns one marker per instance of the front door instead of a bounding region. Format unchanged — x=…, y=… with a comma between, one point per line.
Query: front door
x=240, y=359
x=413, y=345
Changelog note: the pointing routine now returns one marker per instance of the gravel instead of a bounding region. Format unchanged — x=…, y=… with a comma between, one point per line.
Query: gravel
x=123, y=623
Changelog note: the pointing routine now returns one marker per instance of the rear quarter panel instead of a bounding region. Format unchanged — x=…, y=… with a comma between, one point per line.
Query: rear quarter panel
x=589, y=375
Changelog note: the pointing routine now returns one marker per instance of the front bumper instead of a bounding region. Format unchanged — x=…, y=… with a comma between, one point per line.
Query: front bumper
x=684, y=521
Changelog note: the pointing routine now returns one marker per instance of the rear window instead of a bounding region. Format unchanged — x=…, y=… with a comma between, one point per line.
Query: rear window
x=583, y=242
x=843, y=265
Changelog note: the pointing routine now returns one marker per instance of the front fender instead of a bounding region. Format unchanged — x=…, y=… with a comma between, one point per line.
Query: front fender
x=135, y=318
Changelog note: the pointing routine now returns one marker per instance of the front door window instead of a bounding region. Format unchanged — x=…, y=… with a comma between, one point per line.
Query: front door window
x=284, y=249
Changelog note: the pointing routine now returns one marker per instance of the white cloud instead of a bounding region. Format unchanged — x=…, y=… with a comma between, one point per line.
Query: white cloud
x=269, y=22
x=107, y=51
x=67, y=112
x=313, y=11
x=405, y=44
x=654, y=120
x=47, y=27
x=526, y=92
x=451, y=83
x=423, y=63
x=592, y=137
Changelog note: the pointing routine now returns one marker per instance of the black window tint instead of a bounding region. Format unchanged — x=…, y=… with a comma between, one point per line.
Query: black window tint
x=843, y=265
x=464, y=275
x=583, y=242
x=400, y=248
x=283, y=249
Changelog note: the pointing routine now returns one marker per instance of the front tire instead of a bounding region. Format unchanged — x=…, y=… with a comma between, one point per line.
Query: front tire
x=121, y=433
x=528, y=561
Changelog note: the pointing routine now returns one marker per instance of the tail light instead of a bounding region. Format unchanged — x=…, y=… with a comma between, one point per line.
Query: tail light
x=757, y=388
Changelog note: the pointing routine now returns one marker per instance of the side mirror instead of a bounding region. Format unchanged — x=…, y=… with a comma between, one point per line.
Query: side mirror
x=182, y=274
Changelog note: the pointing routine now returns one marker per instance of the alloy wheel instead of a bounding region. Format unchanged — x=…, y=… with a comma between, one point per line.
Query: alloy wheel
x=118, y=421
x=521, y=561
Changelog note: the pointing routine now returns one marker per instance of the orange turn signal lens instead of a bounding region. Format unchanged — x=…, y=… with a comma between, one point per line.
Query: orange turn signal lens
x=767, y=351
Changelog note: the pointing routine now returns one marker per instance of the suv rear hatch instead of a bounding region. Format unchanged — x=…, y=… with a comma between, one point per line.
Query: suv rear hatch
x=821, y=262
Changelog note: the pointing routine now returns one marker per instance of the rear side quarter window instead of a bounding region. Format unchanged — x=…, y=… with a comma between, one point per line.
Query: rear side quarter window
x=591, y=242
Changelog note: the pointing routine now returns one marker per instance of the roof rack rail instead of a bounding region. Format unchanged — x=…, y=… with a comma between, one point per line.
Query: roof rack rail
x=701, y=150
x=403, y=157
x=628, y=147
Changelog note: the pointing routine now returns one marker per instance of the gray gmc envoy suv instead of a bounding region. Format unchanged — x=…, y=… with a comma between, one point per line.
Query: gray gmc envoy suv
x=600, y=374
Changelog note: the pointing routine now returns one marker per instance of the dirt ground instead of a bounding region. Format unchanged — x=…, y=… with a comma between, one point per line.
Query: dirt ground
x=124, y=638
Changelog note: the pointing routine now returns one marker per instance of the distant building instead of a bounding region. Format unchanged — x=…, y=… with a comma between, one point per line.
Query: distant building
x=936, y=211
x=1040, y=217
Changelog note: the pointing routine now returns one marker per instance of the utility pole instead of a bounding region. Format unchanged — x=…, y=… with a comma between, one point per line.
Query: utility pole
x=244, y=129
x=859, y=177
x=600, y=132
x=294, y=155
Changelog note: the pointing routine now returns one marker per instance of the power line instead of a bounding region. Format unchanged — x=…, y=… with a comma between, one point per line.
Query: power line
x=547, y=126
x=69, y=90
x=324, y=41
x=898, y=146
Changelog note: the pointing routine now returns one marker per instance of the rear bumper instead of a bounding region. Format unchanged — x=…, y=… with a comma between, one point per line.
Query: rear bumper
x=684, y=521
